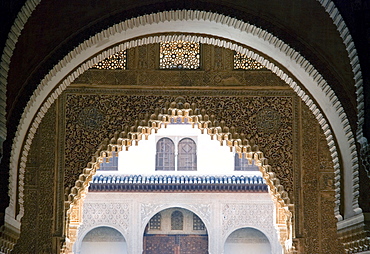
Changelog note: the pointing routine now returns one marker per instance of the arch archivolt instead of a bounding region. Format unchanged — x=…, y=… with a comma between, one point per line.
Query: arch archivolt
x=248, y=226
x=333, y=119
x=154, y=209
x=81, y=235
x=179, y=112
x=328, y=5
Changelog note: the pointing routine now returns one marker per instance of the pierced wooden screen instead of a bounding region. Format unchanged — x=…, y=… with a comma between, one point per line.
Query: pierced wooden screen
x=242, y=62
x=187, y=158
x=155, y=222
x=179, y=55
x=177, y=220
x=197, y=223
x=114, y=62
x=165, y=156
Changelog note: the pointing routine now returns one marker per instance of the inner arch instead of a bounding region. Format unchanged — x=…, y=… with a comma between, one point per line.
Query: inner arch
x=181, y=113
x=249, y=239
x=100, y=239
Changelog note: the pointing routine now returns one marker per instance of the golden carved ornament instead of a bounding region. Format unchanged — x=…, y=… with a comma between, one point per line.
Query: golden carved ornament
x=178, y=112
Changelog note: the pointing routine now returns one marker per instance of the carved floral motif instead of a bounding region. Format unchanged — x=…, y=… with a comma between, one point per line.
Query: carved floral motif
x=243, y=215
x=123, y=110
x=105, y=214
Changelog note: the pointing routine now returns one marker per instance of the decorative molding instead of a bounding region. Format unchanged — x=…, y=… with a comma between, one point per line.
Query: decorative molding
x=242, y=215
x=8, y=239
x=102, y=214
x=236, y=216
x=173, y=183
x=10, y=44
x=34, y=107
x=44, y=87
x=355, y=234
x=14, y=33
x=343, y=30
x=147, y=210
x=233, y=107
x=30, y=6
x=178, y=112
x=203, y=210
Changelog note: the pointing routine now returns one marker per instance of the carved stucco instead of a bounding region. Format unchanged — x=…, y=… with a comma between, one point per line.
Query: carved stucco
x=36, y=232
x=113, y=214
x=243, y=215
x=324, y=159
x=93, y=114
x=329, y=7
x=209, y=207
x=179, y=111
x=245, y=108
x=132, y=23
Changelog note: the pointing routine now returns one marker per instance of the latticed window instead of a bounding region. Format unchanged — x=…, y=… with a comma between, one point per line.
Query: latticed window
x=179, y=55
x=242, y=62
x=241, y=164
x=165, y=156
x=155, y=222
x=197, y=223
x=177, y=220
x=187, y=157
x=116, y=61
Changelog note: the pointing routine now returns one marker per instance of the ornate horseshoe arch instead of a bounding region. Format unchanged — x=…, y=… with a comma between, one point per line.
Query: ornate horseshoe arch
x=93, y=50
x=333, y=120
x=328, y=5
x=184, y=113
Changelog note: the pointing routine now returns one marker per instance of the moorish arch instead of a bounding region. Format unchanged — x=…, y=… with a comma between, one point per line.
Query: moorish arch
x=329, y=7
x=173, y=210
x=101, y=238
x=180, y=112
x=249, y=238
x=333, y=119
x=36, y=123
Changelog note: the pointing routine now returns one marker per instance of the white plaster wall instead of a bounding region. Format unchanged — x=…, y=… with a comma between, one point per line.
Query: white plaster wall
x=103, y=240
x=212, y=158
x=103, y=247
x=247, y=239
x=222, y=214
x=250, y=248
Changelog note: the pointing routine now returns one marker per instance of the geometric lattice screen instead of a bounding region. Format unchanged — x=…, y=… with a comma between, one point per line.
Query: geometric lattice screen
x=241, y=62
x=179, y=55
x=113, y=62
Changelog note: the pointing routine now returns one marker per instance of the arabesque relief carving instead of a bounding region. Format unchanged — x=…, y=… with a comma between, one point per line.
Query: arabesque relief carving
x=103, y=214
x=101, y=103
x=36, y=234
x=324, y=161
x=242, y=111
x=183, y=112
